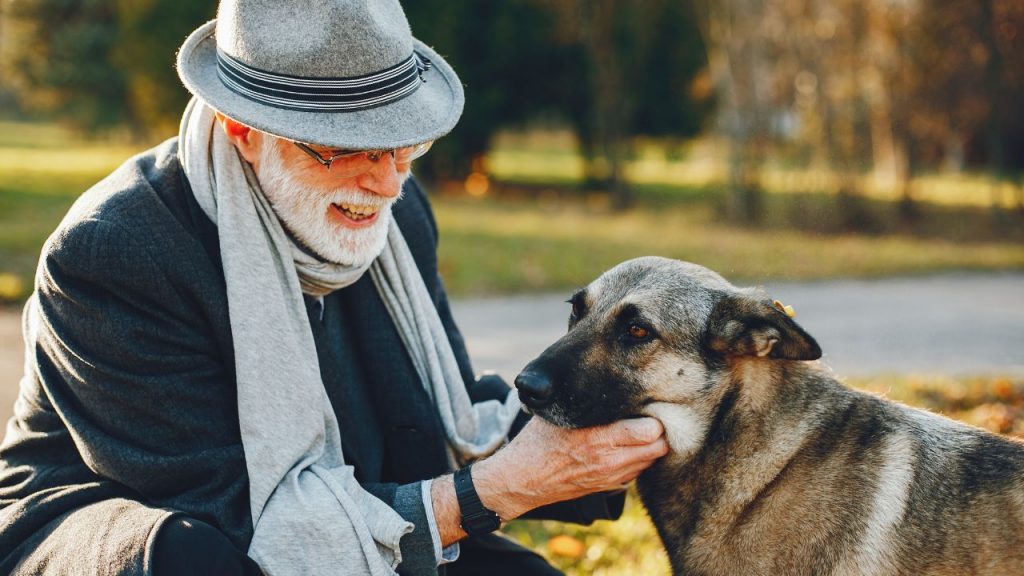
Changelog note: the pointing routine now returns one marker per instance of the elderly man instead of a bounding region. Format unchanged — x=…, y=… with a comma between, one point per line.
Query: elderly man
x=240, y=356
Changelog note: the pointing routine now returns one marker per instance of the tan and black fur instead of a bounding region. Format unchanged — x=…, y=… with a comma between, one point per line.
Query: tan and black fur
x=775, y=467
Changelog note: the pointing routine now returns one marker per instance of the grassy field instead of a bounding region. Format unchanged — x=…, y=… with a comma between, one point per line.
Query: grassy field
x=630, y=546
x=501, y=246
x=42, y=170
x=550, y=157
x=527, y=236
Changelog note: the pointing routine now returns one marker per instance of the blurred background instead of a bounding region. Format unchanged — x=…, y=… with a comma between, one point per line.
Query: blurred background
x=797, y=143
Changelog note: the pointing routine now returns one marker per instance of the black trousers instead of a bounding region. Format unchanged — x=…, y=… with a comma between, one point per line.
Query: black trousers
x=185, y=545
x=493, y=555
x=188, y=547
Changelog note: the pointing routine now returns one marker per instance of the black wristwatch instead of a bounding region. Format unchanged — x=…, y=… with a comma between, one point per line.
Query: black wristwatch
x=476, y=518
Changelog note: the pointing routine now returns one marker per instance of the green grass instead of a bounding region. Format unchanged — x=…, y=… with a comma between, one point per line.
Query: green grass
x=42, y=170
x=552, y=158
x=540, y=233
x=495, y=246
x=630, y=545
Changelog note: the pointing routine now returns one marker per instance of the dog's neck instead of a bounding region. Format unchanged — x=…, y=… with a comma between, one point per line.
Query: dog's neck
x=758, y=425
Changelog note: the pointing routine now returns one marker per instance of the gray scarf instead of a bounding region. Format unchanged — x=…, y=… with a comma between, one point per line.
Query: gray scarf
x=309, y=514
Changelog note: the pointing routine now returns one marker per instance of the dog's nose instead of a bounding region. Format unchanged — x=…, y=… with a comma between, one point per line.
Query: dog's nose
x=534, y=389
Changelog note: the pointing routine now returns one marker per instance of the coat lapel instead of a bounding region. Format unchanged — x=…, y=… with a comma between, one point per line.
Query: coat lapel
x=414, y=441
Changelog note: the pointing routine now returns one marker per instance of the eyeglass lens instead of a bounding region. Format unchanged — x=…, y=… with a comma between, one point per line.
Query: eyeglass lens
x=352, y=162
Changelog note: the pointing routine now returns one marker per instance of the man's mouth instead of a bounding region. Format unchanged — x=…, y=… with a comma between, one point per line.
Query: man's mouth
x=356, y=212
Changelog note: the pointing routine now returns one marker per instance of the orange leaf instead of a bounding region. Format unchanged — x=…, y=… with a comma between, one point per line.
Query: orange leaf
x=563, y=545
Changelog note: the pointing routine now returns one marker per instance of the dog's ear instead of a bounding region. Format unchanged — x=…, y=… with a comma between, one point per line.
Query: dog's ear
x=744, y=326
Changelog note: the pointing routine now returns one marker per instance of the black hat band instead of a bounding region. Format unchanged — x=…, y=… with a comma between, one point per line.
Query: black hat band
x=323, y=94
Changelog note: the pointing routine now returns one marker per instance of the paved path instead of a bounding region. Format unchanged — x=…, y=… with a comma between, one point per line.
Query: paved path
x=952, y=324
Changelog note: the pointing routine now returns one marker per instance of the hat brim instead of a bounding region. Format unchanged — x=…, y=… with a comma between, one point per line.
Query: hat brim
x=427, y=114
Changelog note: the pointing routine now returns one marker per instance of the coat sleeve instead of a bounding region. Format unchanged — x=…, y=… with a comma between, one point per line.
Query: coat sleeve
x=131, y=365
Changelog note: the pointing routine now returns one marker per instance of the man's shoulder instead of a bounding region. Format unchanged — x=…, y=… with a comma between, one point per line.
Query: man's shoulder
x=140, y=220
x=133, y=193
x=146, y=199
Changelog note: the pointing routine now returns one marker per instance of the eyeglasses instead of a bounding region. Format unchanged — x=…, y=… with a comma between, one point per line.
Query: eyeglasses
x=350, y=163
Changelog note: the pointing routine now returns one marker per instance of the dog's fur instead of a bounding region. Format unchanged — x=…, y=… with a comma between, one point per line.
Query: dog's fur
x=774, y=468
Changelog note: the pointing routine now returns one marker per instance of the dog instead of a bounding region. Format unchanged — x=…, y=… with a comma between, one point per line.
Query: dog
x=774, y=467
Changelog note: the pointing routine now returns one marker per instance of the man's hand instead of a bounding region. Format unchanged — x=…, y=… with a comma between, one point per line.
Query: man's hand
x=546, y=464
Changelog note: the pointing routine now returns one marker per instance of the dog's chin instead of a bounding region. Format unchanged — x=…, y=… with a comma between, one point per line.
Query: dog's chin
x=557, y=415
x=685, y=427
x=554, y=415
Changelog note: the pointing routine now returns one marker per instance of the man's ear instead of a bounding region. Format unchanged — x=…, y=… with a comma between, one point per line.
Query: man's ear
x=744, y=326
x=243, y=137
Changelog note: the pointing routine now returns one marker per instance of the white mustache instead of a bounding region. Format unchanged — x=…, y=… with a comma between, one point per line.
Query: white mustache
x=359, y=198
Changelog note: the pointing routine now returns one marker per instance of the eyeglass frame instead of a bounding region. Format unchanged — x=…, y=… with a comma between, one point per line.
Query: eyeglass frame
x=371, y=155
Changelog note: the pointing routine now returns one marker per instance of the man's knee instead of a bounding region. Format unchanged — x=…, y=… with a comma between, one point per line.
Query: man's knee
x=186, y=546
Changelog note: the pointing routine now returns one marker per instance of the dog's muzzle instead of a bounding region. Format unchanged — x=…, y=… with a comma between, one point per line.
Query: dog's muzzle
x=534, y=388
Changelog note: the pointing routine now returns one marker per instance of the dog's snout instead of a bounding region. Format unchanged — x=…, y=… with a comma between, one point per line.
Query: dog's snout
x=534, y=388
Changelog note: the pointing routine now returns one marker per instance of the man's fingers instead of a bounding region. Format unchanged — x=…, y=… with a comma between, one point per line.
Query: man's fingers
x=627, y=475
x=622, y=434
x=637, y=431
x=641, y=455
x=645, y=456
x=659, y=447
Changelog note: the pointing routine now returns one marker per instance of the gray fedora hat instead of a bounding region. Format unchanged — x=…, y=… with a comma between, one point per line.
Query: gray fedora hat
x=340, y=73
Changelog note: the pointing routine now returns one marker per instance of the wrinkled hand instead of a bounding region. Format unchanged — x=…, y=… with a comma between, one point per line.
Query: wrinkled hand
x=546, y=464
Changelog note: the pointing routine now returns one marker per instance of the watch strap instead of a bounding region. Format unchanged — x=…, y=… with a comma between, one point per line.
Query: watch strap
x=476, y=518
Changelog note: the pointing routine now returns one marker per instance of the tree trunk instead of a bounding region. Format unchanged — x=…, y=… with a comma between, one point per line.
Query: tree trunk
x=993, y=84
x=731, y=30
x=610, y=108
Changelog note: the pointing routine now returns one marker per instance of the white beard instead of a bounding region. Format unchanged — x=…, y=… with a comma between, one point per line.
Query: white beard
x=304, y=212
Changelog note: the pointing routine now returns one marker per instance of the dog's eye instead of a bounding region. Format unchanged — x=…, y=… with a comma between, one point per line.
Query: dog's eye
x=638, y=332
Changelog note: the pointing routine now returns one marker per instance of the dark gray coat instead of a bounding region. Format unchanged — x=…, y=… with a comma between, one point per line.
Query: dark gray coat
x=129, y=396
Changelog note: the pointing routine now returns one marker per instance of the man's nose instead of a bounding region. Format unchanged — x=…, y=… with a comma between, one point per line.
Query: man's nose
x=534, y=388
x=383, y=177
